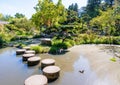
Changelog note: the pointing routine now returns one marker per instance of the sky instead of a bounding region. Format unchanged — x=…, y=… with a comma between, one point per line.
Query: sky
x=11, y=7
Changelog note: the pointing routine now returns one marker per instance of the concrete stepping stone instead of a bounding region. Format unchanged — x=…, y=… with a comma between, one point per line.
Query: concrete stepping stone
x=47, y=62
x=51, y=72
x=36, y=80
x=30, y=52
x=26, y=56
x=33, y=61
x=20, y=51
x=27, y=48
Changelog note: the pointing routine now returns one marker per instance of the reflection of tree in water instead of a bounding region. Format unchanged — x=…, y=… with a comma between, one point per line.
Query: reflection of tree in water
x=115, y=50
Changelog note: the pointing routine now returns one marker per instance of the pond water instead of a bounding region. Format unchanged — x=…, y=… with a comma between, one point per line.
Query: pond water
x=14, y=72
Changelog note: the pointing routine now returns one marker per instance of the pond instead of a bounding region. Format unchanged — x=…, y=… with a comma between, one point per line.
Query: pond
x=75, y=69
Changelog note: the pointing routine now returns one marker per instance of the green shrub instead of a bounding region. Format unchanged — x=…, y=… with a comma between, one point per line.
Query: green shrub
x=116, y=40
x=40, y=49
x=96, y=41
x=67, y=45
x=72, y=42
x=53, y=50
x=1, y=41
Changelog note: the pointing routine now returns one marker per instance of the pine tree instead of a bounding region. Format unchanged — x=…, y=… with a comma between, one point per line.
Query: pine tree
x=93, y=7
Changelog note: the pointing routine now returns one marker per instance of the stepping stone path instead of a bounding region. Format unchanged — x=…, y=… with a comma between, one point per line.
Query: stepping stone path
x=36, y=80
x=51, y=72
x=33, y=61
x=47, y=62
x=30, y=52
x=26, y=56
x=20, y=51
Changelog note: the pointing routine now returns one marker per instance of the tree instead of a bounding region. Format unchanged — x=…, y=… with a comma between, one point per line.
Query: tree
x=1, y=16
x=76, y=7
x=61, y=12
x=73, y=7
x=72, y=17
x=109, y=2
x=93, y=7
x=19, y=15
x=5, y=17
x=48, y=14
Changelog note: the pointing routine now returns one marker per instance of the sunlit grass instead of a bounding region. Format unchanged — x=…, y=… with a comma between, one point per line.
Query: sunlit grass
x=113, y=59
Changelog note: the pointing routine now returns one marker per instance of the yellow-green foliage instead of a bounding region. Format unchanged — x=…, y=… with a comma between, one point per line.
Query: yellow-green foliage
x=113, y=59
x=96, y=39
x=40, y=49
x=103, y=19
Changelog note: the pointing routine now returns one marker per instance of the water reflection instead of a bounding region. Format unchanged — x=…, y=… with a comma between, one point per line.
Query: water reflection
x=112, y=49
x=12, y=70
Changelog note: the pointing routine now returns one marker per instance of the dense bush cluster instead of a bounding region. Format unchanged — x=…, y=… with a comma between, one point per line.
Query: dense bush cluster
x=96, y=39
x=40, y=49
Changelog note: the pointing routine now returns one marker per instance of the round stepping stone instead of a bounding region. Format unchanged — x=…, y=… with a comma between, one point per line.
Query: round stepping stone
x=51, y=72
x=20, y=51
x=47, y=62
x=33, y=61
x=36, y=80
x=27, y=48
x=26, y=56
x=30, y=52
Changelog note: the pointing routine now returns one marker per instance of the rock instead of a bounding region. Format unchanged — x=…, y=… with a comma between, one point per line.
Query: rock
x=47, y=62
x=20, y=51
x=30, y=52
x=27, y=48
x=26, y=56
x=36, y=80
x=51, y=72
x=46, y=41
x=33, y=61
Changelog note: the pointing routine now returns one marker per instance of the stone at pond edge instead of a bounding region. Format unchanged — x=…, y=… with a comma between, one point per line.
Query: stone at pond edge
x=36, y=80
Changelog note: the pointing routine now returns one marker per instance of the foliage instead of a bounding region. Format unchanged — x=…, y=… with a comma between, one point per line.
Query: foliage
x=5, y=17
x=113, y=59
x=18, y=15
x=92, y=8
x=72, y=16
x=1, y=41
x=73, y=7
x=40, y=49
x=96, y=39
x=49, y=14
x=107, y=23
